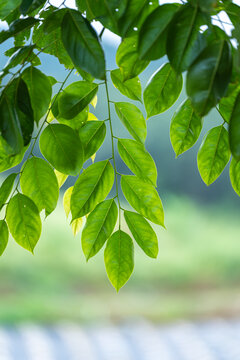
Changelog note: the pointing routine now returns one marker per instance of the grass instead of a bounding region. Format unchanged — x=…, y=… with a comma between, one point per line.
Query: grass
x=197, y=273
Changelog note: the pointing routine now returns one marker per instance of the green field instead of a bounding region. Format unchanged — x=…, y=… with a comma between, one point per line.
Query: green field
x=197, y=272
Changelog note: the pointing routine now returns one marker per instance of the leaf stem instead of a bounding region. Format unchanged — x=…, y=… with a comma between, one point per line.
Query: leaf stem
x=113, y=152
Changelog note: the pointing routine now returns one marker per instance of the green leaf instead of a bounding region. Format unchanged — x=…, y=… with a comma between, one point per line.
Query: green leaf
x=138, y=160
x=7, y=7
x=119, y=258
x=40, y=91
x=6, y=189
x=20, y=56
x=92, y=187
x=61, y=146
x=38, y=181
x=66, y=200
x=143, y=198
x=185, y=128
x=209, y=75
x=130, y=88
x=213, y=154
x=75, y=98
x=24, y=221
x=92, y=135
x=8, y=162
x=108, y=12
x=205, y=5
x=3, y=236
x=127, y=58
x=227, y=103
x=142, y=232
x=29, y=6
x=61, y=178
x=99, y=227
x=234, y=129
x=11, y=135
x=234, y=172
x=17, y=27
x=77, y=225
x=163, y=89
x=81, y=42
x=153, y=33
x=185, y=42
x=132, y=119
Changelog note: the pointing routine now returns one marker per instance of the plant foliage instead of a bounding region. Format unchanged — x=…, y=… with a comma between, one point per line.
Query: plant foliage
x=36, y=107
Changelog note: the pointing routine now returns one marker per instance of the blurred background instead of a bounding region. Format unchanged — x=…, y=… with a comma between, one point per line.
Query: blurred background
x=197, y=273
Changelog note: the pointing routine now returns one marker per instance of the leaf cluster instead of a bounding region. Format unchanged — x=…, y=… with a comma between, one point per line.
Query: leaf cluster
x=31, y=109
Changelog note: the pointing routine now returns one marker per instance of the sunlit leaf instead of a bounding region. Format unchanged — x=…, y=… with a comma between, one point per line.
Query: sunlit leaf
x=234, y=172
x=163, y=89
x=91, y=117
x=39, y=182
x=138, y=160
x=3, y=236
x=92, y=135
x=24, y=221
x=130, y=88
x=94, y=101
x=132, y=119
x=61, y=146
x=142, y=233
x=99, y=226
x=213, y=154
x=185, y=128
x=128, y=60
x=6, y=189
x=75, y=98
x=227, y=103
x=77, y=225
x=61, y=178
x=143, y=198
x=92, y=187
x=66, y=200
x=119, y=258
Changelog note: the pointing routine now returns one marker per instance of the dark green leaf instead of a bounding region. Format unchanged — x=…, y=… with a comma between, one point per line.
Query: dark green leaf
x=40, y=91
x=185, y=128
x=11, y=136
x=92, y=187
x=24, y=221
x=205, y=5
x=209, y=75
x=6, y=189
x=163, y=89
x=138, y=160
x=38, y=181
x=227, y=103
x=61, y=146
x=119, y=258
x=127, y=58
x=185, y=42
x=142, y=233
x=27, y=6
x=99, y=227
x=24, y=53
x=213, y=154
x=82, y=45
x=234, y=173
x=3, y=236
x=143, y=198
x=153, y=33
x=17, y=27
x=234, y=129
x=108, y=12
x=130, y=88
x=75, y=98
x=92, y=135
x=132, y=119
x=7, y=7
